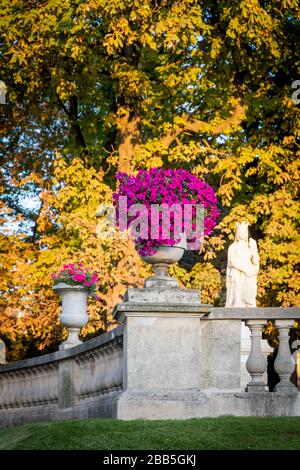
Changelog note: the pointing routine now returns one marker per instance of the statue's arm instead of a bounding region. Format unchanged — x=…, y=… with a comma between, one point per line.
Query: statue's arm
x=229, y=258
x=253, y=251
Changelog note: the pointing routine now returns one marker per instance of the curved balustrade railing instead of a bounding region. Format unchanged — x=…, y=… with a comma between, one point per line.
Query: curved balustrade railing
x=30, y=386
x=55, y=385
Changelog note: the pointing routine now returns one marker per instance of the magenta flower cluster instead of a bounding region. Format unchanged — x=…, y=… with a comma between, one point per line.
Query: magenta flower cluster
x=77, y=274
x=168, y=187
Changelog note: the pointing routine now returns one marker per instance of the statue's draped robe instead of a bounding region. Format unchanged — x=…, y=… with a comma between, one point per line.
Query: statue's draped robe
x=242, y=269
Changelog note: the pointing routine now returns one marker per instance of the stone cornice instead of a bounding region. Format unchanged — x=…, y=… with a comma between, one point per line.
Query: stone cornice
x=130, y=309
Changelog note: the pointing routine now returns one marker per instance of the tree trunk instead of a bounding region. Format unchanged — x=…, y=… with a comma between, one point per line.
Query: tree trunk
x=128, y=138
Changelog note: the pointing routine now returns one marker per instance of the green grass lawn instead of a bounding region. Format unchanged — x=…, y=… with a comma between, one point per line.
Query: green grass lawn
x=194, y=434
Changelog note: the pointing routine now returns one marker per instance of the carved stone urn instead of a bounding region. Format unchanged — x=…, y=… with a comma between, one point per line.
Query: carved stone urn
x=162, y=260
x=74, y=311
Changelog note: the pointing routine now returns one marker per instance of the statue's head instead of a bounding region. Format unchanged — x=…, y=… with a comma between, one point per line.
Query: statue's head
x=241, y=232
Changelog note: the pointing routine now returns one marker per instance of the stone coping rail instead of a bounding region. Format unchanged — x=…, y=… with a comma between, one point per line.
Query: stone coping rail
x=263, y=313
x=208, y=312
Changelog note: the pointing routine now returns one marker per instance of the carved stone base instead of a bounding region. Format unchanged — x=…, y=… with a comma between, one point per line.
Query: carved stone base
x=285, y=386
x=161, y=278
x=157, y=295
x=72, y=340
x=254, y=388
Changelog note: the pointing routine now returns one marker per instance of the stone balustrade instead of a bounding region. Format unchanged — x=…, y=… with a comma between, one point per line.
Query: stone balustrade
x=172, y=358
x=256, y=319
x=76, y=382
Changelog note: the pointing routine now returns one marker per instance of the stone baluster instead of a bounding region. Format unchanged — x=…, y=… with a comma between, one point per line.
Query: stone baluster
x=85, y=364
x=53, y=382
x=79, y=376
x=117, y=372
x=33, y=385
x=43, y=383
x=100, y=367
x=256, y=363
x=107, y=362
x=38, y=384
x=17, y=377
x=27, y=388
x=296, y=357
x=11, y=396
x=4, y=390
x=284, y=363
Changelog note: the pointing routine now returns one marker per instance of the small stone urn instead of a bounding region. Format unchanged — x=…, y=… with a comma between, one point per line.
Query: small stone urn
x=161, y=260
x=74, y=311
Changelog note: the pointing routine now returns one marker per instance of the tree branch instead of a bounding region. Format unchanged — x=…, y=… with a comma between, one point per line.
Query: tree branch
x=196, y=125
x=72, y=114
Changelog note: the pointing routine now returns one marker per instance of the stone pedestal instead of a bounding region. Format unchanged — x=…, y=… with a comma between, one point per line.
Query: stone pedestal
x=2, y=352
x=162, y=353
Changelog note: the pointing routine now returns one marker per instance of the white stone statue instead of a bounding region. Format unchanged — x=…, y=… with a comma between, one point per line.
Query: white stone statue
x=242, y=269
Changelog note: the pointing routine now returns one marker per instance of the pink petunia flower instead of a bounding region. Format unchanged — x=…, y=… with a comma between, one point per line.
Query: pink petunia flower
x=79, y=277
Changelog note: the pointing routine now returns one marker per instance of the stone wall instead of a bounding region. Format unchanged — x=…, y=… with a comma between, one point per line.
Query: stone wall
x=173, y=358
